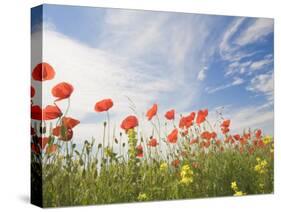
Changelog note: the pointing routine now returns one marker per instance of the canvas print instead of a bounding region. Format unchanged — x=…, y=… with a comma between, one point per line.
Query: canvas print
x=134, y=106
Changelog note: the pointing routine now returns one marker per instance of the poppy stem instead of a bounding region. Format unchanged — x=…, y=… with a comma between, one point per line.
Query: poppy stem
x=108, y=123
x=103, y=142
x=68, y=107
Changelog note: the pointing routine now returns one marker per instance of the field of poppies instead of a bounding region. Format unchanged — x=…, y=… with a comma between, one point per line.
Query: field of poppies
x=184, y=157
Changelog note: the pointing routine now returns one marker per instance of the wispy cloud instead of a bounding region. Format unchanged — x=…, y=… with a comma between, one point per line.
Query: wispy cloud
x=145, y=57
x=256, y=31
x=202, y=73
x=263, y=84
x=235, y=82
x=257, y=65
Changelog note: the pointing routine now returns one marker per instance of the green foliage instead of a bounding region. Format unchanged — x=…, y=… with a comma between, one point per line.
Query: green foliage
x=80, y=178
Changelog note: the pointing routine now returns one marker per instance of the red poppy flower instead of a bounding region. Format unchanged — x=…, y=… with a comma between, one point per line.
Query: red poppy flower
x=36, y=112
x=32, y=91
x=43, y=142
x=152, y=142
x=258, y=133
x=129, y=123
x=51, y=112
x=103, y=105
x=207, y=135
x=225, y=124
x=187, y=121
x=173, y=136
x=62, y=91
x=170, y=115
x=237, y=137
x=213, y=135
x=35, y=149
x=139, y=151
x=151, y=112
x=48, y=113
x=42, y=72
x=201, y=116
x=69, y=122
x=260, y=144
x=56, y=131
x=176, y=163
x=51, y=148
x=243, y=141
x=63, y=133
x=224, y=130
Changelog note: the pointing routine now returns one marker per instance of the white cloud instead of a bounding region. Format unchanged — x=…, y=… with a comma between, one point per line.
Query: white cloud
x=257, y=65
x=236, y=81
x=252, y=117
x=244, y=118
x=237, y=68
x=255, y=32
x=226, y=48
x=263, y=84
x=121, y=65
x=239, y=34
x=202, y=74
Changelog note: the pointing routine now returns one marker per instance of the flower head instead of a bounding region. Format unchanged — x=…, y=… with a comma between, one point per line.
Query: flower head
x=103, y=105
x=62, y=91
x=151, y=112
x=69, y=122
x=64, y=131
x=50, y=112
x=170, y=115
x=129, y=122
x=201, y=116
x=153, y=142
x=163, y=167
x=51, y=148
x=173, y=136
x=187, y=121
x=32, y=91
x=139, y=151
x=42, y=72
x=142, y=197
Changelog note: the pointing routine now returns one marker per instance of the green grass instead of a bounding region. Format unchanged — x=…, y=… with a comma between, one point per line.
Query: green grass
x=77, y=178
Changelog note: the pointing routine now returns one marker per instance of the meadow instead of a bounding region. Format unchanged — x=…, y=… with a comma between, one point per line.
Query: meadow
x=195, y=159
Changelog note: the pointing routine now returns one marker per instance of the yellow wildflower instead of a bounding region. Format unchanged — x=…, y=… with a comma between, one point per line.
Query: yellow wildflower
x=239, y=193
x=163, y=167
x=186, y=175
x=234, y=186
x=261, y=166
x=186, y=180
x=267, y=139
x=142, y=197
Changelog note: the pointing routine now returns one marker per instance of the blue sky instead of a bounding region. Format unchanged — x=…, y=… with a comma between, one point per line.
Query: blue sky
x=178, y=60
